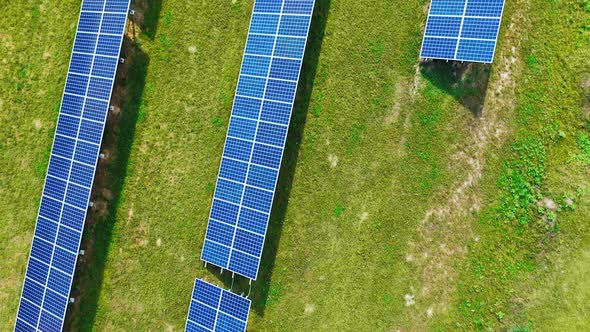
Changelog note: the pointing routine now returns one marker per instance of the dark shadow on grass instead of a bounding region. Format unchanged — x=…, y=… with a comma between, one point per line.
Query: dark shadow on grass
x=149, y=10
x=261, y=288
x=466, y=82
x=108, y=185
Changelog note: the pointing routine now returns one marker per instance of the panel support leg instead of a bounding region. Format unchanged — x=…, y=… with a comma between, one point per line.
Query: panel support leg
x=249, y=289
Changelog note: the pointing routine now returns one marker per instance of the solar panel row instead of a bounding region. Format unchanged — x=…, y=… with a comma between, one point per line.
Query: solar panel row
x=463, y=30
x=256, y=135
x=72, y=165
x=215, y=309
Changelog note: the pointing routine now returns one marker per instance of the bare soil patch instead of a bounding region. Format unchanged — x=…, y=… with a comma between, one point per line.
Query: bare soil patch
x=445, y=230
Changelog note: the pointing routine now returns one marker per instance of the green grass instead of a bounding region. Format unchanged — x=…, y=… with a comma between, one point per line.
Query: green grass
x=35, y=41
x=519, y=247
x=368, y=155
x=584, y=145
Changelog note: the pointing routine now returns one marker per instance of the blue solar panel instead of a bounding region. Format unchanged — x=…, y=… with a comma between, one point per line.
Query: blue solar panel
x=462, y=30
x=256, y=135
x=72, y=165
x=215, y=309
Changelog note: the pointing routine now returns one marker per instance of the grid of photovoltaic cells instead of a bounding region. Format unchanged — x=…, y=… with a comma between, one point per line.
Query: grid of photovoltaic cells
x=256, y=135
x=462, y=30
x=72, y=164
x=215, y=309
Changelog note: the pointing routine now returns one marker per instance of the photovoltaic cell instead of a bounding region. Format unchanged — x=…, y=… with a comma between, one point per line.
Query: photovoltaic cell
x=462, y=30
x=256, y=136
x=72, y=165
x=215, y=309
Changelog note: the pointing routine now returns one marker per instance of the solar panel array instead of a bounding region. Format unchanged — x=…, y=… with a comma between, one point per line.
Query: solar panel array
x=462, y=30
x=72, y=165
x=215, y=309
x=256, y=136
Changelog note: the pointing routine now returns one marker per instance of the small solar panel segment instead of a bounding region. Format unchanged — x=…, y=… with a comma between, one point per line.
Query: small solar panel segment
x=256, y=136
x=462, y=30
x=215, y=309
x=72, y=165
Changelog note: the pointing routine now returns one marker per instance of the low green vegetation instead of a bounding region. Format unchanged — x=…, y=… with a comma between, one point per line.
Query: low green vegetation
x=513, y=257
x=441, y=197
x=584, y=145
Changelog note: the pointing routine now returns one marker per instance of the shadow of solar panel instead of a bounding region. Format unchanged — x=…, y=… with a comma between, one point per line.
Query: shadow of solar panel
x=72, y=165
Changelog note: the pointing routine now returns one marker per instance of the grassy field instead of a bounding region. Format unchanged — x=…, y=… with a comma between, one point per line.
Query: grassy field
x=35, y=43
x=413, y=197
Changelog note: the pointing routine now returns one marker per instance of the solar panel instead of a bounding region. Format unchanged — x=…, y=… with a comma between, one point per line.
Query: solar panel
x=72, y=165
x=462, y=30
x=256, y=135
x=215, y=309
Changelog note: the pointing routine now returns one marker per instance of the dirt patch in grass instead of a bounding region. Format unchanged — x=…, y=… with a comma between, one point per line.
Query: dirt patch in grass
x=405, y=92
x=445, y=230
x=333, y=159
x=309, y=308
x=146, y=17
x=401, y=92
